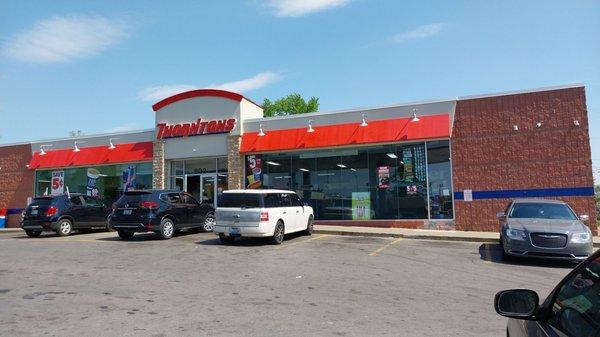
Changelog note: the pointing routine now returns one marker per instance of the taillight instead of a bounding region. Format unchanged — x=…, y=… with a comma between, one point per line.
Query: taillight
x=264, y=216
x=148, y=204
x=114, y=206
x=51, y=211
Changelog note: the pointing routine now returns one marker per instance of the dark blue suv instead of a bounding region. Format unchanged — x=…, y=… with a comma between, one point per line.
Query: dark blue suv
x=64, y=213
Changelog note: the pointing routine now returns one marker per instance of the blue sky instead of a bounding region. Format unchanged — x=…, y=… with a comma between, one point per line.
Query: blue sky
x=99, y=66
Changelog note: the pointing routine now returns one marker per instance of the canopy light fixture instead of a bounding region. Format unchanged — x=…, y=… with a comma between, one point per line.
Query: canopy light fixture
x=538, y=124
x=392, y=155
x=42, y=152
x=310, y=128
x=75, y=147
x=273, y=163
x=112, y=146
x=261, y=132
x=364, y=121
x=341, y=165
x=414, y=117
x=516, y=127
x=576, y=122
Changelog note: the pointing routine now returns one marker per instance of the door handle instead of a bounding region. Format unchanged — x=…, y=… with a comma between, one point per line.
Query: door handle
x=237, y=216
x=284, y=212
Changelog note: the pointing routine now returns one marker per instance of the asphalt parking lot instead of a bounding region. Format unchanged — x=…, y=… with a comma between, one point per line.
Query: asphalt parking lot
x=322, y=285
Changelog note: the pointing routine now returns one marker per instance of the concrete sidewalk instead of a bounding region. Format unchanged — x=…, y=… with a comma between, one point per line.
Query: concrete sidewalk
x=429, y=234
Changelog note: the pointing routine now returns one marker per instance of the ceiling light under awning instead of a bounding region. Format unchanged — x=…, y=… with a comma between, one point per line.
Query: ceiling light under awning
x=273, y=163
x=392, y=155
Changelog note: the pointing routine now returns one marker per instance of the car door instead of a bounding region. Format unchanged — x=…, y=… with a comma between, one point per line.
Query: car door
x=195, y=213
x=77, y=211
x=287, y=212
x=573, y=309
x=95, y=211
x=298, y=212
x=177, y=209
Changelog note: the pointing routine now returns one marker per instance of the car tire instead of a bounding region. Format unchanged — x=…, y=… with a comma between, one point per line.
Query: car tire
x=278, y=233
x=166, y=229
x=309, y=226
x=209, y=223
x=505, y=257
x=108, y=228
x=125, y=235
x=33, y=234
x=225, y=239
x=65, y=227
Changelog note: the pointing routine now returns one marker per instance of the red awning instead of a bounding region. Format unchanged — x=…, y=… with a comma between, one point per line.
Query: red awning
x=380, y=131
x=96, y=155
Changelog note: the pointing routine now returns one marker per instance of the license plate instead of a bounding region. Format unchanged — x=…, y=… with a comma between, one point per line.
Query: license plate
x=34, y=212
x=126, y=212
x=234, y=230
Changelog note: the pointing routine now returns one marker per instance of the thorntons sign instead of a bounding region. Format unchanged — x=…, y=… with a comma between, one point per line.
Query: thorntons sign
x=197, y=128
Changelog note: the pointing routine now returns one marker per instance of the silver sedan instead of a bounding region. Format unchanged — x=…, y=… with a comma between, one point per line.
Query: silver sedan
x=541, y=228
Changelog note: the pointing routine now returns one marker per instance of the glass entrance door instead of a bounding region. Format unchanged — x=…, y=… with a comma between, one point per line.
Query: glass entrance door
x=202, y=187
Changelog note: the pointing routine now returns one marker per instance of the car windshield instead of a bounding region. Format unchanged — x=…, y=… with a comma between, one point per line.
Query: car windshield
x=532, y=210
x=241, y=200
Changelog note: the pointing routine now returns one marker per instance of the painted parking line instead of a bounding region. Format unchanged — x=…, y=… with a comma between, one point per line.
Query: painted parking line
x=314, y=238
x=380, y=249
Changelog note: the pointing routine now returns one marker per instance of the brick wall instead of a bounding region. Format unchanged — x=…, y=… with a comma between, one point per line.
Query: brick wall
x=158, y=165
x=488, y=155
x=16, y=180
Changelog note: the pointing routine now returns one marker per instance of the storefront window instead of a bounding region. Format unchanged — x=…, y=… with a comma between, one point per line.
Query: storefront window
x=107, y=182
x=383, y=182
x=440, y=180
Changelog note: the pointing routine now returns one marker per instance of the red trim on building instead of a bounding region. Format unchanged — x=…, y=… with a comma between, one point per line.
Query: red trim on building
x=381, y=131
x=95, y=155
x=200, y=93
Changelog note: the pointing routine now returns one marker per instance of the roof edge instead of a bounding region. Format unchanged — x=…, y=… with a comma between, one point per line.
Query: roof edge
x=200, y=93
x=523, y=91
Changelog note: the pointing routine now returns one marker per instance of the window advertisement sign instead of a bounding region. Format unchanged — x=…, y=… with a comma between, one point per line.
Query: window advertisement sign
x=383, y=176
x=92, y=178
x=361, y=206
x=254, y=175
x=129, y=178
x=57, y=183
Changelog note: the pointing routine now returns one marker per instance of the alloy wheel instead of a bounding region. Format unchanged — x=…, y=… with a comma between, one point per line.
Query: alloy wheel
x=209, y=224
x=167, y=229
x=65, y=227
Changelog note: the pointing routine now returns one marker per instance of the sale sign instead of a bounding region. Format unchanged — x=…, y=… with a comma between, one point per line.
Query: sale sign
x=57, y=184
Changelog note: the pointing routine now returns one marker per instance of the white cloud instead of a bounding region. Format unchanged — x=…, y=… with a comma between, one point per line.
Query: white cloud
x=421, y=32
x=123, y=128
x=64, y=38
x=155, y=94
x=297, y=8
x=255, y=82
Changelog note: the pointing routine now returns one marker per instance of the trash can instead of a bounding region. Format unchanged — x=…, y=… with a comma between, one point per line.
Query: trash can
x=3, y=217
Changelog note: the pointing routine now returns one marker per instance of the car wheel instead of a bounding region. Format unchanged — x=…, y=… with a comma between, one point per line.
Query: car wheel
x=209, y=223
x=65, y=226
x=505, y=256
x=225, y=239
x=309, y=226
x=125, y=235
x=166, y=229
x=33, y=234
x=108, y=228
x=278, y=233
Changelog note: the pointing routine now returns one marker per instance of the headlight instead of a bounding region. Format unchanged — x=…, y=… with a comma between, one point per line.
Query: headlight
x=515, y=234
x=581, y=237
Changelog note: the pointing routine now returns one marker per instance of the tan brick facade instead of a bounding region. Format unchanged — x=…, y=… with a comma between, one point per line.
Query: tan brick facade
x=16, y=180
x=158, y=165
x=235, y=163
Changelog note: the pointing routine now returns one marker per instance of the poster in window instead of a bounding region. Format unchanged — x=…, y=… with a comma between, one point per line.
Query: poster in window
x=92, y=178
x=383, y=177
x=254, y=171
x=57, y=184
x=361, y=206
x=129, y=178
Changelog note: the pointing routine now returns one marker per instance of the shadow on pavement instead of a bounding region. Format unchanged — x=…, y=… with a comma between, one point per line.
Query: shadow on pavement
x=151, y=236
x=492, y=252
x=249, y=242
x=50, y=234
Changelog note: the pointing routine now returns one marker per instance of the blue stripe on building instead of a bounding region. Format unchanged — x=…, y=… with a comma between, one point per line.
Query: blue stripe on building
x=530, y=193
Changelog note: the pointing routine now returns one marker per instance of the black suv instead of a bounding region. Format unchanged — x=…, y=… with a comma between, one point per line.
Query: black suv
x=63, y=214
x=164, y=212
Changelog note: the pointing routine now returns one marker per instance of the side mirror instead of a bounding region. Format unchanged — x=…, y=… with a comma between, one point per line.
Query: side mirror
x=501, y=215
x=517, y=303
x=584, y=217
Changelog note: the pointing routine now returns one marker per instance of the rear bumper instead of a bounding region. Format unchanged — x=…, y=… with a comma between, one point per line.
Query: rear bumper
x=143, y=225
x=39, y=225
x=263, y=230
x=571, y=252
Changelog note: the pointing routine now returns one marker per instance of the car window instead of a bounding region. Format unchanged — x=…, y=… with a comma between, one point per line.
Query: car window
x=576, y=309
x=76, y=200
x=188, y=199
x=241, y=200
x=533, y=210
x=296, y=200
x=286, y=200
x=173, y=198
x=272, y=200
x=91, y=201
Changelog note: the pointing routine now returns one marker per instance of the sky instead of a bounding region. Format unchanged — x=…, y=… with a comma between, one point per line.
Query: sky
x=98, y=66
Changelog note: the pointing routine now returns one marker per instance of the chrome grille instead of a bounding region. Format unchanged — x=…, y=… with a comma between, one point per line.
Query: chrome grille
x=549, y=240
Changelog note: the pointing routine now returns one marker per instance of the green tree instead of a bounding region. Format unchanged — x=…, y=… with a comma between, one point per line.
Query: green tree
x=291, y=104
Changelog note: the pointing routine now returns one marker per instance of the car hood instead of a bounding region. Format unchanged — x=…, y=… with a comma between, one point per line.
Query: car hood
x=547, y=225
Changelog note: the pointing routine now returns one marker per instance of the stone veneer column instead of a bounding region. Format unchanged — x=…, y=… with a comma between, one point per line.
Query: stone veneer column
x=235, y=163
x=158, y=165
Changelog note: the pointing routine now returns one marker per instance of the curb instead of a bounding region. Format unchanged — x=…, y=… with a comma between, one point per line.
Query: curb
x=9, y=230
x=417, y=237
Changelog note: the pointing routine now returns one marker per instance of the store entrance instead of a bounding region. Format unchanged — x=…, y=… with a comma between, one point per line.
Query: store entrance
x=202, y=187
